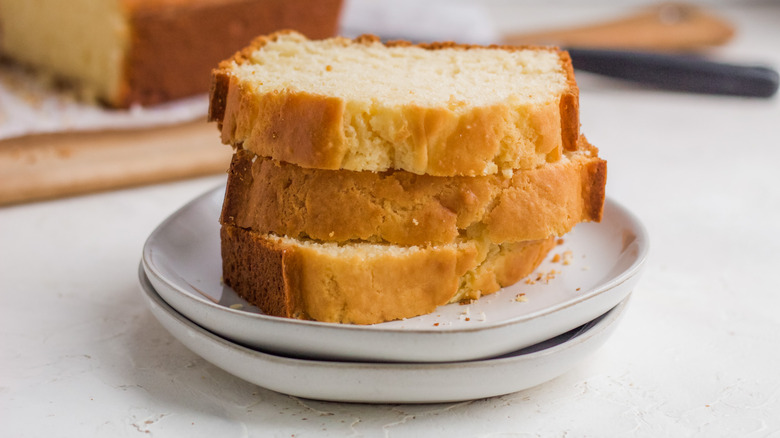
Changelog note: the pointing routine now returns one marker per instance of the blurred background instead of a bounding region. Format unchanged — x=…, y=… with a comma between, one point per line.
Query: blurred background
x=54, y=144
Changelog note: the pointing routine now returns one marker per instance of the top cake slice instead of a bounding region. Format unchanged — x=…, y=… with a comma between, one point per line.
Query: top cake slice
x=440, y=109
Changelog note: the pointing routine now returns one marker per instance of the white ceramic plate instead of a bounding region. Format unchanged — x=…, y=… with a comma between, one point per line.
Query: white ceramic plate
x=389, y=382
x=182, y=260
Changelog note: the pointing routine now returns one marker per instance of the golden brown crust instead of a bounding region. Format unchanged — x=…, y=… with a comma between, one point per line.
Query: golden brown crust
x=309, y=130
x=218, y=93
x=570, y=108
x=294, y=281
x=162, y=65
x=258, y=265
x=594, y=194
x=407, y=209
x=298, y=128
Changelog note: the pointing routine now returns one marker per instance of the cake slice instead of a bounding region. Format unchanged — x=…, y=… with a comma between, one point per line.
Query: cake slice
x=440, y=109
x=366, y=283
x=402, y=208
x=124, y=52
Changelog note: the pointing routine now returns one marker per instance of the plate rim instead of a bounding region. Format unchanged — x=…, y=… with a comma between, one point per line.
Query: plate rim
x=607, y=318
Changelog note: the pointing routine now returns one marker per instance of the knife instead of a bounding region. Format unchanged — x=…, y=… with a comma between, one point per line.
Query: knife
x=678, y=72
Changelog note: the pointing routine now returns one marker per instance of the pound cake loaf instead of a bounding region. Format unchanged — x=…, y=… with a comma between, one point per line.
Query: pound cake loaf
x=365, y=283
x=439, y=109
x=124, y=52
x=403, y=208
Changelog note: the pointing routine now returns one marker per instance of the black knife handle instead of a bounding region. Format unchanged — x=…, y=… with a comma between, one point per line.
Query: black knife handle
x=678, y=72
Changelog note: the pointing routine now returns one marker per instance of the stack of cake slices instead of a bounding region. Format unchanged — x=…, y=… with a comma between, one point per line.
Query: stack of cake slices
x=376, y=181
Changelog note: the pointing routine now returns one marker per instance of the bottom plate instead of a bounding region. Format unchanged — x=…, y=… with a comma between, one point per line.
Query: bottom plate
x=389, y=382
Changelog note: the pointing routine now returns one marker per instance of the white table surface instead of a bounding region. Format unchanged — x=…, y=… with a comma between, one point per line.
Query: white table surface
x=697, y=354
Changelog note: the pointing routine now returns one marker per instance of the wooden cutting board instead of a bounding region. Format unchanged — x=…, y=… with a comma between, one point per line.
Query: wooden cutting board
x=56, y=165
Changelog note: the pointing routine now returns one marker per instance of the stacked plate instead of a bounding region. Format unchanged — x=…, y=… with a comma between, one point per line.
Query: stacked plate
x=516, y=338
